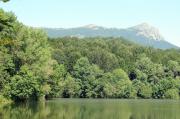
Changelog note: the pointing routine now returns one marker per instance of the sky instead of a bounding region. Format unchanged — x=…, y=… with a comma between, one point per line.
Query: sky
x=163, y=14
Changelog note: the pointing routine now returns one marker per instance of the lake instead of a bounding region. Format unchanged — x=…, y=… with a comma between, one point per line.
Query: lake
x=93, y=109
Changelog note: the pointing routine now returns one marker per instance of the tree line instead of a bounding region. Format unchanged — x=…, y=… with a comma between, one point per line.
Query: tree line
x=35, y=67
x=116, y=68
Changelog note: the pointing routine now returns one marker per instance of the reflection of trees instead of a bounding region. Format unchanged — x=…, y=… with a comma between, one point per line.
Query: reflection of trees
x=91, y=109
x=23, y=111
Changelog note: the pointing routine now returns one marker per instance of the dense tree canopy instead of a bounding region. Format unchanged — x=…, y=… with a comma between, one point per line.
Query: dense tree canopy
x=35, y=67
x=126, y=70
x=25, y=61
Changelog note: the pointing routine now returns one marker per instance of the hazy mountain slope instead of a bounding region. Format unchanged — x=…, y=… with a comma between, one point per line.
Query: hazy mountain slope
x=143, y=34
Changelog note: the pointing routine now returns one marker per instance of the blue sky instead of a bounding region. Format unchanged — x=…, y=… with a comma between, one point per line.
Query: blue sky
x=163, y=14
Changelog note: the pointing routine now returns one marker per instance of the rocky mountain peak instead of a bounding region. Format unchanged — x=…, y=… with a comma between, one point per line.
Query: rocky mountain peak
x=148, y=31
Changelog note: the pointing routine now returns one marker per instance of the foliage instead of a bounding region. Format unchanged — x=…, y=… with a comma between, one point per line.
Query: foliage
x=69, y=88
x=145, y=91
x=25, y=61
x=22, y=86
x=150, y=70
x=172, y=94
x=34, y=67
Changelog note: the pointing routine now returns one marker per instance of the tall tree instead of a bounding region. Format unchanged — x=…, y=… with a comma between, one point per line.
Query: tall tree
x=26, y=47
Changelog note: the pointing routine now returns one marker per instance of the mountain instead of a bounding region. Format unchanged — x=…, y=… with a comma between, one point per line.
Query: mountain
x=143, y=34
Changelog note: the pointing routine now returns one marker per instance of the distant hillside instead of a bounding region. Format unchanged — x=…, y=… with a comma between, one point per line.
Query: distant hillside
x=143, y=34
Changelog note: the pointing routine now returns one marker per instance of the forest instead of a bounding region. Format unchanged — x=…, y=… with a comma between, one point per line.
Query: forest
x=35, y=67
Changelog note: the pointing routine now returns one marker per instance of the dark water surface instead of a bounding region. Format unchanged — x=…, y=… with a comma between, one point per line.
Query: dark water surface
x=93, y=109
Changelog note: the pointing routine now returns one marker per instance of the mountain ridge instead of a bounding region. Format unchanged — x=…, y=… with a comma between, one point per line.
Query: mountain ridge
x=143, y=34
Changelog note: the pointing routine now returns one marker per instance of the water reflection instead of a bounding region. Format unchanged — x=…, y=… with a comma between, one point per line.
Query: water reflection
x=93, y=109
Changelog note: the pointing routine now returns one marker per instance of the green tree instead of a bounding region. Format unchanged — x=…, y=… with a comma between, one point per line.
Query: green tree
x=23, y=86
x=172, y=94
x=124, y=89
x=6, y=65
x=104, y=59
x=173, y=69
x=56, y=79
x=23, y=50
x=145, y=91
x=117, y=85
x=86, y=74
x=148, y=71
x=69, y=87
x=161, y=87
x=119, y=74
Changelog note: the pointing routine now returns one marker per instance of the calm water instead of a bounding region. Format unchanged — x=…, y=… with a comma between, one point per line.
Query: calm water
x=93, y=109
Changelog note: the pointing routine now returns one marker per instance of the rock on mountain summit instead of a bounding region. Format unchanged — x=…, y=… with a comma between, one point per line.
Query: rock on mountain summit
x=148, y=31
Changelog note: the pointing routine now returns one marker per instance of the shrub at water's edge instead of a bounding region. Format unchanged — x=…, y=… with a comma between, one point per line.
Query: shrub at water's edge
x=4, y=101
